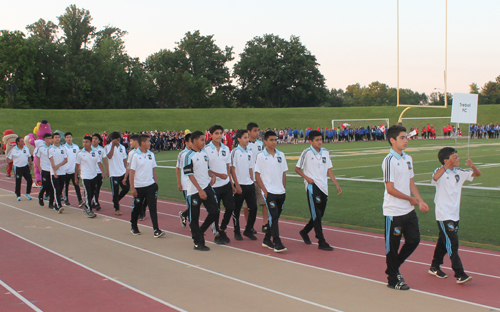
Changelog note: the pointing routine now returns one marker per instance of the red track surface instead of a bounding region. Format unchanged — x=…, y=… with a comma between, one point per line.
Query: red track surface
x=357, y=253
x=52, y=283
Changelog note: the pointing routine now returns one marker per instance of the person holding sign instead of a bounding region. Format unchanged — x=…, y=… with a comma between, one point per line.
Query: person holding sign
x=449, y=179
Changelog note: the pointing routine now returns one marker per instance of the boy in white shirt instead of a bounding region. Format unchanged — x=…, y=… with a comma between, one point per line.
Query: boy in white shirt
x=58, y=158
x=21, y=157
x=270, y=174
x=71, y=150
x=117, y=164
x=43, y=163
x=144, y=185
x=449, y=180
x=400, y=217
x=182, y=178
x=101, y=152
x=315, y=165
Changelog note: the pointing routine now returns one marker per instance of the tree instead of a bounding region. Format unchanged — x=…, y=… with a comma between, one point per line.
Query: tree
x=75, y=24
x=274, y=72
x=491, y=91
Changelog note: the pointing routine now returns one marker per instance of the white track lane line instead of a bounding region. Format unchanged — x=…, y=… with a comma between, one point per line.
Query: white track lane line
x=94, y=271
x=251, y=252
x=15, y=293
x=164, y=257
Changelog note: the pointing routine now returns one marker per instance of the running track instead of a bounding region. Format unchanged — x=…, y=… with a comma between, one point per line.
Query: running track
x=56, y=281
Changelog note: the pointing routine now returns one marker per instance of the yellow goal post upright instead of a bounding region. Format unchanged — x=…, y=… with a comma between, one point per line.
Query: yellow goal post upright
x=409, y=106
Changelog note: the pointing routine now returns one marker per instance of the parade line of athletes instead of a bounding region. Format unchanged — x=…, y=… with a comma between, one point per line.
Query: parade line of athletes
x=252, y=174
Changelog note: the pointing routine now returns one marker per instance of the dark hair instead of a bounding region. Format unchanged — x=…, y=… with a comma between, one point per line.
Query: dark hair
x=215, y=128
x=97, y=135
x=252, y=125
x=187, y=137
x=143, y=138
x=393, y=132
x=68, y=133
x=134, y=137
x=238, y=135
x=47, y=135
x=88, y=138
x=445, y=153
x=313, y=134
x=269, y=134
x=55, y=133
x=114, y=135
x=196, y=135
x=18, y=139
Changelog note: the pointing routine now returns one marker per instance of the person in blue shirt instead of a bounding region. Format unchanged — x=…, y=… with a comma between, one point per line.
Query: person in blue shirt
x=301, y=134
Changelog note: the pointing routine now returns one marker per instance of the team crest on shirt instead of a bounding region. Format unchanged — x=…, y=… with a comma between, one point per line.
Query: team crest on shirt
x=397, y=231
x=324, y=160
x=279, y=160
x=99, y=152
x=272, y=204
x=317, y=199
x=223, y=153
x=205, y=157
x=259, y=148
x=62, y=152
x=451, y=227
x=150, y=157
x=93, y=154
x=457, y=178
x=24, y=151
x=195, y=202
x=74, y=150
x=249, y=157
x=409, y=165
x=121, y=150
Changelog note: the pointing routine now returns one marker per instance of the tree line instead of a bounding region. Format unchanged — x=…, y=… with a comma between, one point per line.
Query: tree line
x=71, y=64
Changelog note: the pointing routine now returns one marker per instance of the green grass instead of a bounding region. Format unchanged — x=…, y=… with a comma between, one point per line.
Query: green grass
x=360, y=206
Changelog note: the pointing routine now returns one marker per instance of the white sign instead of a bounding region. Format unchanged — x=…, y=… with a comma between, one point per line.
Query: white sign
x=464, y=108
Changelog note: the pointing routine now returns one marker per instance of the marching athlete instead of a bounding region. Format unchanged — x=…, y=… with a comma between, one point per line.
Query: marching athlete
x=71, y=150
x=117, y=162
x=101, y=153
x=182, y=178
x=58, y=159
x=43, y=163
x=21, y=157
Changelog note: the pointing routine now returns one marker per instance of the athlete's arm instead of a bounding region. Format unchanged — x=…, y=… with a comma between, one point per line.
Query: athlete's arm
x=303, y=175
x=332, y=177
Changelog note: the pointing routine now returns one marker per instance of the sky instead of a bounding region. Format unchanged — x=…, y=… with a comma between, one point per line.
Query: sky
x=354, y=41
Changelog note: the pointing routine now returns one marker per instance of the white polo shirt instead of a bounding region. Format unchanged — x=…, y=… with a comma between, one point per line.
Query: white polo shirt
x=399, y=170
x=71, y=151
x=42, y=152
x=449, y=192
x=143, y=164
x=58, y=154
x=89, y=162
x=242, y=161
x=271, y=170
x=218, y=159
x=101, y=153
x=116, y=165
x=254, y=148
x=180, y=165
x=19, y=156
x=315, y=165
x=130, y=157
x=196, y=163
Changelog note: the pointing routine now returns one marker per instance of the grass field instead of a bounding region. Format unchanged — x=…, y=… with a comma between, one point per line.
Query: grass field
x=358, y=165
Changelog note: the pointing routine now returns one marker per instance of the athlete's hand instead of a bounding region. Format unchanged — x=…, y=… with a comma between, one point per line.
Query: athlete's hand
x=309, y=180
x=124, y=181
x=179, y=187
x=223, y=176
x=134, y=192
x=339, y=189
x=55, y=175
x=239, y=190
x=212, y=182
x=469, y=162
x=203, y=195
x=423, y=206
x=414, y=201
x=265, y=193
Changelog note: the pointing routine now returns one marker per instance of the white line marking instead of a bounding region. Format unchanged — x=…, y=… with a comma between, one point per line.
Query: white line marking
x=356, y=177
x=15, y=293
x=171, y=259
x=475, y=184
x=92, y=270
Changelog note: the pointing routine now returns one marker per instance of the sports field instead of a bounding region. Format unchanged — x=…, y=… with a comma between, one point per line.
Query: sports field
x=358, y=168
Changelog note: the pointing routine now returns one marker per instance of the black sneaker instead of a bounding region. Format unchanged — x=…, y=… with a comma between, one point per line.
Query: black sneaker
x=267, y=243
x=279, y=247
x=400, y=278
x=183, y=219
x=97, y=207
x=40, y=202
x=59, y=210
x=218, y=240
x=305, y=237
x=66, y=203
x=201, y=247
x=249, y=235
x=464, y=278
x=142, y=217
x=237, y=236
x=399, y=286
x=81, y=203
x=325, y=246
x=89, y=213
x=265, y=228
x=254, y=231
x=224, y=237
x=51, y=206
x=158, y=233
x=135, y=231
x=437, y=272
